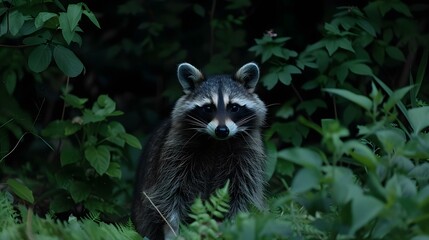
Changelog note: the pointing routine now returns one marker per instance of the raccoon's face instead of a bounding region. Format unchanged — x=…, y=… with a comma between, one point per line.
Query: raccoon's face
x=220, y=106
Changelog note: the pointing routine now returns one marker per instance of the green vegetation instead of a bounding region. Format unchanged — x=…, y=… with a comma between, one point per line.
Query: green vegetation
x=347, y=139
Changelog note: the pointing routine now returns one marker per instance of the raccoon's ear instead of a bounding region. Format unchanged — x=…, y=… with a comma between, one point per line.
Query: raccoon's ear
x=248, y=75
x=189, y=77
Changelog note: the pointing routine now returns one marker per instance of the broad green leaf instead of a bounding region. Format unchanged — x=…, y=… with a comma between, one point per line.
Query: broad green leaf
x=361, y=153
x=270, y=80
x=104, y=106
x=360, y=69
x=392, y=139
x=68, y=34
x=331, y=45
x=69, y=155
x=10, y=78
x=360, y=100
x=42, y=17
x=40, y=58
x=131, y=140
x=67, y=61
x=74, y=14
x=346, y=44
x=79, y=191
x=60, y=128
x=306, y=179
x=16, y=21
x=271, y=160
x=114, y=170
x=21, y=190
x=302, y=156
x=395, y=53
x=98, y=158
x=418, y=118
x=364, y=209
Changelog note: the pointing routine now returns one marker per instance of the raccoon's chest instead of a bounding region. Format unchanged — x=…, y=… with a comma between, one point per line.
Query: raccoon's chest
x=209, y=168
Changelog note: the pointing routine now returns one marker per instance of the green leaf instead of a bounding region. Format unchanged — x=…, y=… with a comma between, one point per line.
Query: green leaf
x=331, y=45
x=40, y=58
x=361, y=154
x=59, y=129
x=69, y=155
x=418, y=118
x=98, y=158
x=75, y=101
x=395, y=97
x=42, y=17
x=67, y=61
x=16, y=21
x=360, y=100
x=270, y=80
x=131, y=140
x=395, y=53
x=92, y=17
x=104, y=106
x=364, y=209
x=79, y=191
x=114, y=170
x=67, y=33
x=271, y=160
x=391, y=139
x=306, y=179
x=21, y=190
x=302, y=156
x=74, y=14
x=361, y=69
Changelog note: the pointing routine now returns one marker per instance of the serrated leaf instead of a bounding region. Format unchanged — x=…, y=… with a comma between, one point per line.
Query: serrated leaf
x=40, y=58
x=21, y=190
x=67, y=61
x=98, y=158
x=270, y=80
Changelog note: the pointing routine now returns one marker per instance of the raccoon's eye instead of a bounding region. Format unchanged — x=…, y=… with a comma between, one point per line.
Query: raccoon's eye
x=234, y=107
x=208, y=108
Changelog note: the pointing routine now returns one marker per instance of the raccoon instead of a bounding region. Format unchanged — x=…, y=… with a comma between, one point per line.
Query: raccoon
x=213, y=135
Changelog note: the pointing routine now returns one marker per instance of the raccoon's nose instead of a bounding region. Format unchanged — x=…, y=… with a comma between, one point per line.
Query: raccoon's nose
x=222, y=131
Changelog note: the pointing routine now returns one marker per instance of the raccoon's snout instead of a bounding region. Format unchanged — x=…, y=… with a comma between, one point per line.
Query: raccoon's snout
x=222, y=132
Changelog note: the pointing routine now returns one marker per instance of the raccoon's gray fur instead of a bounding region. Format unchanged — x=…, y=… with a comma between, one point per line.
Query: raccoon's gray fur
x=212, y=135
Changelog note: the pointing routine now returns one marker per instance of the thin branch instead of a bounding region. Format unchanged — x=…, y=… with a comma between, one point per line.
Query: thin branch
x=150, y=200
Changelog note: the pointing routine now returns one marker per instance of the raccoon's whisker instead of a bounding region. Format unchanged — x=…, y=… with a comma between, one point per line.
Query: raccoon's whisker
x=196, y=121
x=251, y=138
x=246, y=119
